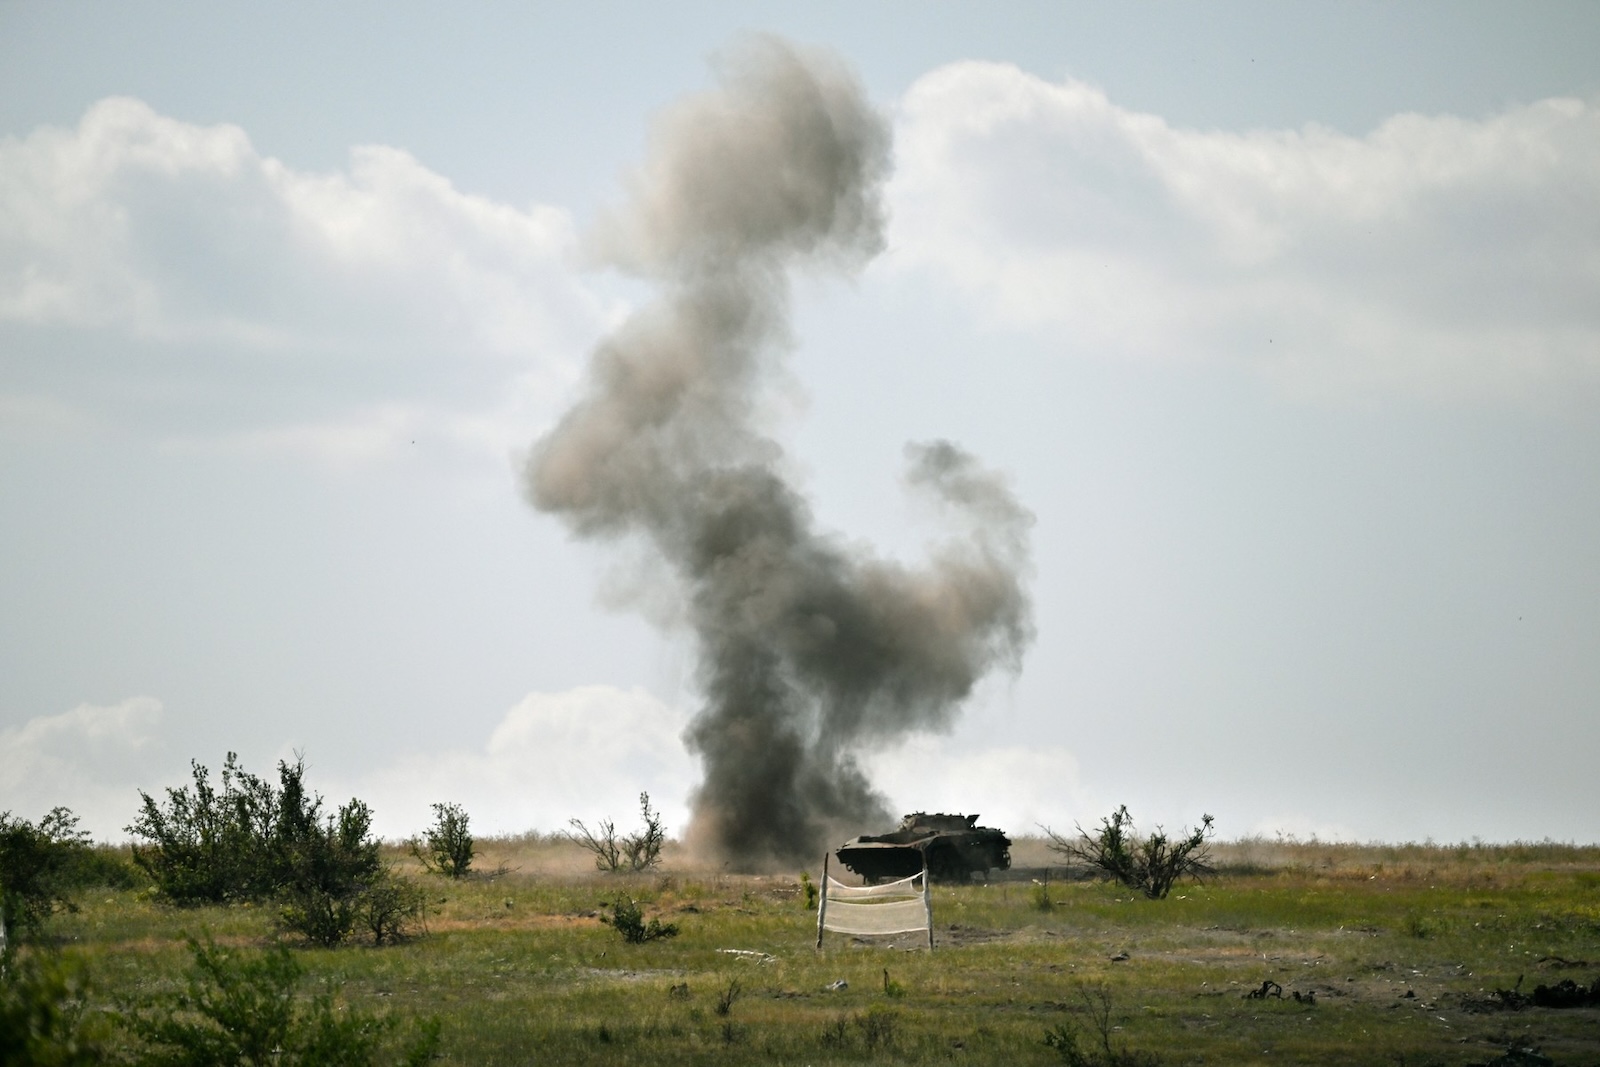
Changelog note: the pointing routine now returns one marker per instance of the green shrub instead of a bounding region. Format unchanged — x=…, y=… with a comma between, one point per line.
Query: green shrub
x=809, y=889
x=209, y=847
x=241, y=1008
x=1151, y=865
x=627, y=918
x=326, y=868
x=251, y=841
x=447, y=847
x=391, y=907
x=38, y=865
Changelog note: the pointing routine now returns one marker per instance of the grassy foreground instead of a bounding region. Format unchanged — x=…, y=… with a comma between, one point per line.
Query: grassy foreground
x=1402, y=947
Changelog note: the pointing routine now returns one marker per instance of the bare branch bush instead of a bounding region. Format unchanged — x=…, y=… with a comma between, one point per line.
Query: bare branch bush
x=1151, y=865
x=602, y=843
x=643, y=849
x=634, y=852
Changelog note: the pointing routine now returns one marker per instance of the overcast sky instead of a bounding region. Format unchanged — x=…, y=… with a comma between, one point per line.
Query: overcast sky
x=1282, y=319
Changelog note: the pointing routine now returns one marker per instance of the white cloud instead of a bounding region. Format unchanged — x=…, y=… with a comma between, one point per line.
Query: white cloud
x=584, y=753
x=177, y=258
x=90, y=759
x=1436, y=253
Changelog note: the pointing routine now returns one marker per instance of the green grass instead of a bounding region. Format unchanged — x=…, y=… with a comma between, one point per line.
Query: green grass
x=520, y=969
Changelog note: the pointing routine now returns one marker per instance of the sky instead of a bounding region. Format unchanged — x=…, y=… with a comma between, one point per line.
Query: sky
x=1282, y=320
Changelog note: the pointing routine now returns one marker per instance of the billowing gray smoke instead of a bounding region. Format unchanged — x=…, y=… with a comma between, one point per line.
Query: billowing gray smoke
x=807, y=651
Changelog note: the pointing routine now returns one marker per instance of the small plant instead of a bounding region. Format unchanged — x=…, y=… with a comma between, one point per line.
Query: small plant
x=1151, y=865
x=891, y=988
x=1039, y=895
x=1417, y=926
x=1064, y=1037
x=627, y=918
x=242, y=1008
x=727, y=996
x=37, y=868
x=446, y=847
x=809, y=889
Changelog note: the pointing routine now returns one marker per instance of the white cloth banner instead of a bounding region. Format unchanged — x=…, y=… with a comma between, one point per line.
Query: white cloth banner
x=899, y=907
x=894, y=917
x=905, y=887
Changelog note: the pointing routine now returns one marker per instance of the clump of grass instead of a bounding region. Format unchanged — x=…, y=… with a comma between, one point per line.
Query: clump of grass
x=877, y=1025
x=1039, y=896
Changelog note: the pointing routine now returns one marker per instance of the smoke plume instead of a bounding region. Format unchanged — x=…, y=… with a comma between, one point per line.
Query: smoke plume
x=807, y=650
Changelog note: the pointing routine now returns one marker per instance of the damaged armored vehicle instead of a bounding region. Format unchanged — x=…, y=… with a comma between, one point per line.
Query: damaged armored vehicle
x=952, y=846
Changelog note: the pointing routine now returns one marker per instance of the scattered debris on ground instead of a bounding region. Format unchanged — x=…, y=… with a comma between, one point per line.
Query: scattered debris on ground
x=1564, y=994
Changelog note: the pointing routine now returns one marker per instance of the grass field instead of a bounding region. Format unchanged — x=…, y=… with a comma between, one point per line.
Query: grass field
x=1402, y=946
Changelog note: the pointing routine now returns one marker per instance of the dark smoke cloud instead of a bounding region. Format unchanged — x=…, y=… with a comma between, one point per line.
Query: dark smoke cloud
x=807, y=650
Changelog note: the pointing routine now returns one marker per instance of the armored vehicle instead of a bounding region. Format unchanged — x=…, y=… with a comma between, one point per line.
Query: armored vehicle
x=953, y=846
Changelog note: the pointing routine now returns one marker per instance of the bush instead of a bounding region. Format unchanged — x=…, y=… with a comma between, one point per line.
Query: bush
x=252, y=841
x=627, y=918
x=643, y=849
x=38, y=865
x=636, y=852
x=1150, y=865
x=207, y=847
x=327, y=867
x=391, y=907
x=447, y=845
x=242, y=1008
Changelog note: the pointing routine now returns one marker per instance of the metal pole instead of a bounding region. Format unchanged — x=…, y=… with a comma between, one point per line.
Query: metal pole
x=822, y=902
x=927, y=900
